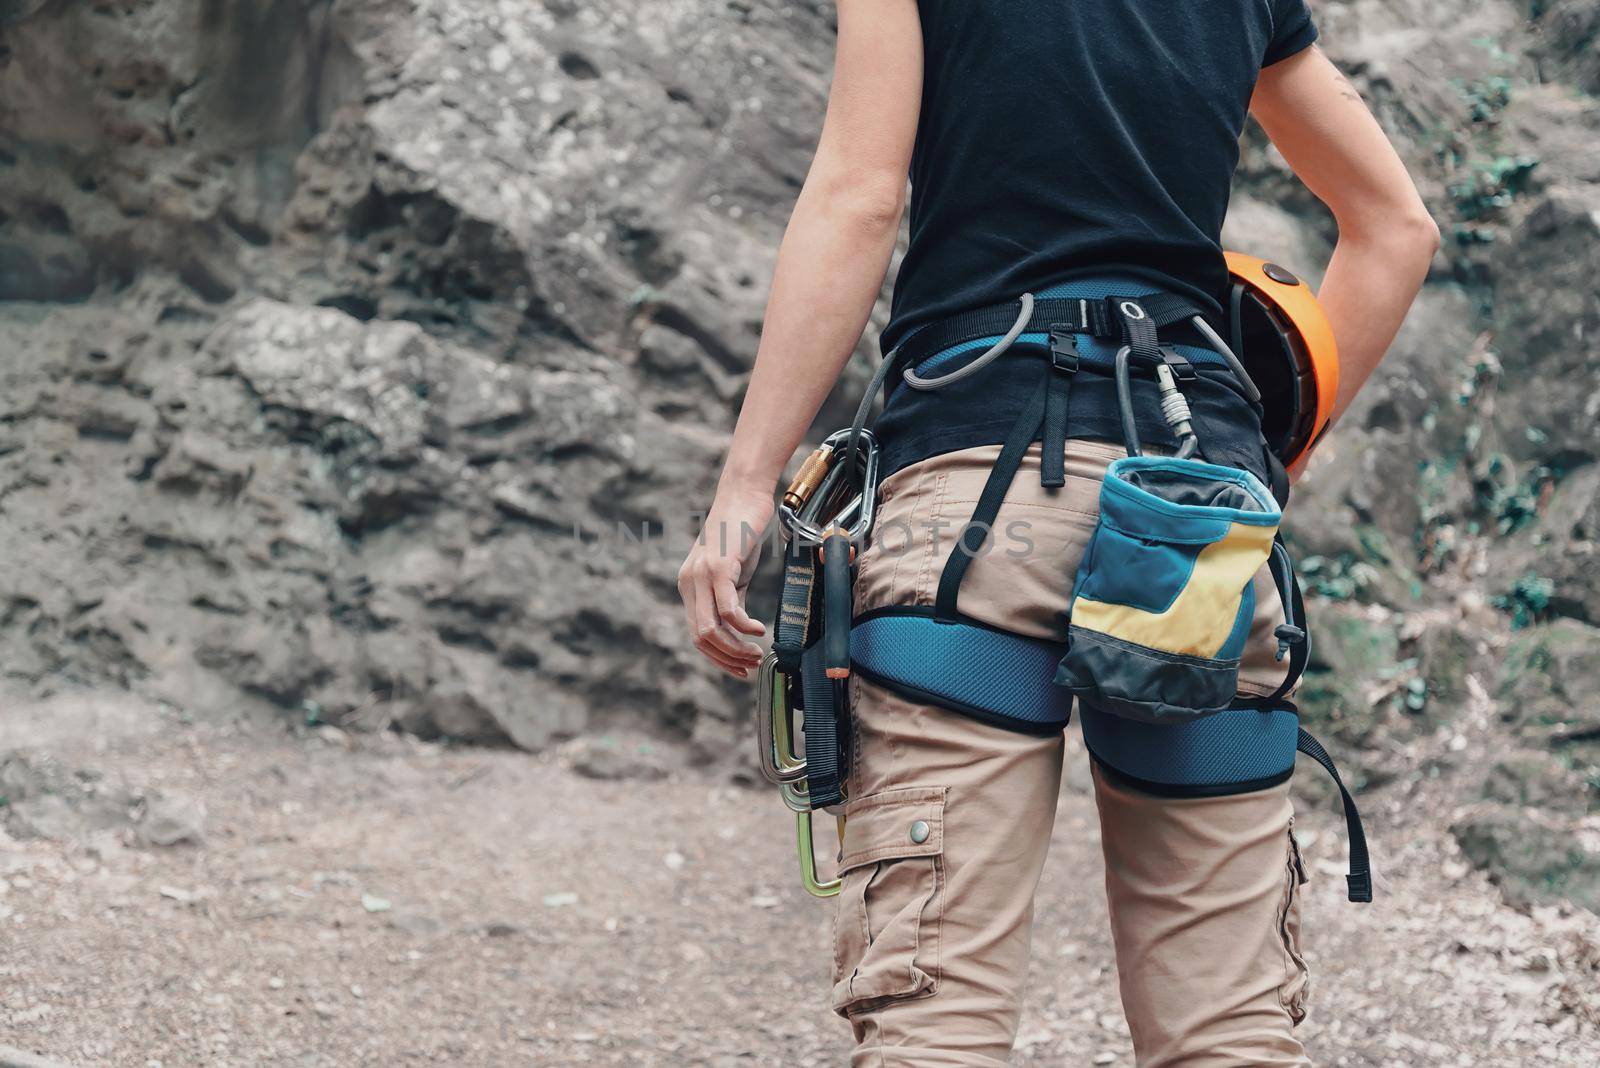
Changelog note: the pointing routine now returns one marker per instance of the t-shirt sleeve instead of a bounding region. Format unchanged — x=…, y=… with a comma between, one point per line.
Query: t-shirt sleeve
x=1293, y=30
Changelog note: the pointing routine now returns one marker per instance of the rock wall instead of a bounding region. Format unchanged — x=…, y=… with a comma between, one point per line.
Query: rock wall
x=342, y=338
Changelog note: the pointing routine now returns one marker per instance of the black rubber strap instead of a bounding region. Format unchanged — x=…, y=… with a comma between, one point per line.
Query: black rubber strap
x=836, y=604
x=1094, y=317
x=1360, y=878
x=826, y=724
x=1023, y=433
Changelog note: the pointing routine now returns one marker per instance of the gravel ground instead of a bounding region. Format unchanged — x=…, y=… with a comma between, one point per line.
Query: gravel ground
x=330, y=899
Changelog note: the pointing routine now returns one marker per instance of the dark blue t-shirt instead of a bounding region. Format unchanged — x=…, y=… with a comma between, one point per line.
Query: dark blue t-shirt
x=1062, y=137
x=1065, y=141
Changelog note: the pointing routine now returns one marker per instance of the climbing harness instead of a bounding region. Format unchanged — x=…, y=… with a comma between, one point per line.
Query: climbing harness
x=1162, y=604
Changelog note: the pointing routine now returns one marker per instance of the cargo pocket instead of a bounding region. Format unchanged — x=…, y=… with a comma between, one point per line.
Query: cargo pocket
x=1296, y=989
x=886, y=929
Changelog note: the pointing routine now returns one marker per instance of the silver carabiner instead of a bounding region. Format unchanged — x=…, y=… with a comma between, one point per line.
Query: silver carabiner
x=838, y=498
x=780, y=764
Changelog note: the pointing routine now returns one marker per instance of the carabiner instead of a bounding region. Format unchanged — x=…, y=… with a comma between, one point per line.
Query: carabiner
x=828, y=493
x=780, y=763
x=806, y=842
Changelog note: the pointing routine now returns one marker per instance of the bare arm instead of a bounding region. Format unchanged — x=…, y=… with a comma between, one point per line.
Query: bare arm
x=1386, y=237
x=830, y=269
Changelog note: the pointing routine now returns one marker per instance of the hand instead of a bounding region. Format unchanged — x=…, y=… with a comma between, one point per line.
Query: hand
x=715, y=577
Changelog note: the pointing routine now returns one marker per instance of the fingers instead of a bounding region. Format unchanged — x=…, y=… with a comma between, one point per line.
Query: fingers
x=730, y=607
x=739, y=669
x=717, y=640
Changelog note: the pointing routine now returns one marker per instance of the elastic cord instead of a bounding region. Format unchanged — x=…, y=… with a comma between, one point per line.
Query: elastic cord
x=916, y=381
x=1252, y=394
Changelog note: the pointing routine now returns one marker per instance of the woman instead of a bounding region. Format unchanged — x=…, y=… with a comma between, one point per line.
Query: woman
x=1049, y=143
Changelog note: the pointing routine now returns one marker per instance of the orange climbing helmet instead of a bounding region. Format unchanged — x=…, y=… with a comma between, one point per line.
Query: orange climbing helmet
x=1283, y=337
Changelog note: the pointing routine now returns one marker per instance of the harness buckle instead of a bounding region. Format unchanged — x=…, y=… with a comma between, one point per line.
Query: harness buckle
x=1181, y=367
x=1063, y=350
x=1288, y=636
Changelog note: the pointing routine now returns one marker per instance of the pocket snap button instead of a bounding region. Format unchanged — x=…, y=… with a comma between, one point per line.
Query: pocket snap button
x=920, y=831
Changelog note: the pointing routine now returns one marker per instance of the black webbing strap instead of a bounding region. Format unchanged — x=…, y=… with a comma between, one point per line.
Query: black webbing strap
x=1277, y=476
x=1139, y=330
x=792, y=630
x=1097, y=317
x=825, y=722
x=1293, y=634
x=827, y=735
x=1023, y=433
x=1057, y=401
x=1360, y=878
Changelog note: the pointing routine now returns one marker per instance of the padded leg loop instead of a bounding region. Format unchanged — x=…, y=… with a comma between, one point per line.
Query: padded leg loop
x=1232, y=752
x=979, y=671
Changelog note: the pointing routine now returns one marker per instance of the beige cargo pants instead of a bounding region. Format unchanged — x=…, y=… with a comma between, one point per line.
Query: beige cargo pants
x=950, y=819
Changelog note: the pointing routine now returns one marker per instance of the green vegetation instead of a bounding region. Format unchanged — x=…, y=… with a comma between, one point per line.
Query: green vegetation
x=1528, y=600
x=1416, y=691
x=1489, y=180
x=1338, y=578
x=1436, y=539
x=1487, y=97
x=1484, y=372
x=1491, y=185
x=1516, y=504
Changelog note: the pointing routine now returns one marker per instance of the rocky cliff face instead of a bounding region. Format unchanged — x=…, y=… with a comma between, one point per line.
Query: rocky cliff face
x=342, y=339
x=345, y=339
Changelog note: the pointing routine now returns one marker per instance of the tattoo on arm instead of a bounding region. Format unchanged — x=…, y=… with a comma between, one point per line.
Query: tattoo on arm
x=1347, y=88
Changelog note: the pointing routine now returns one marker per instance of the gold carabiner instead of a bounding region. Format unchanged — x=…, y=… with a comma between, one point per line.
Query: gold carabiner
x=809, y=477
x=808, y=858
